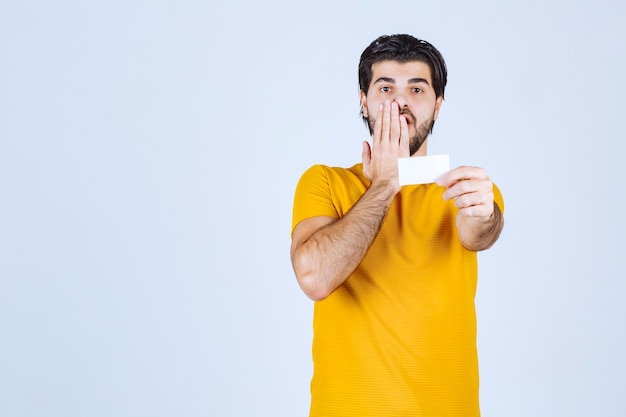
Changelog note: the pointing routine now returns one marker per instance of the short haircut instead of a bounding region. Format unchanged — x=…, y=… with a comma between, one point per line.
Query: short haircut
x=403, y=48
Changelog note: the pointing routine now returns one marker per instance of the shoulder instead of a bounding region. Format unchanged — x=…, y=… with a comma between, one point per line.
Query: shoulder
x=328, y=191
x=331, y=176
x=325, y=170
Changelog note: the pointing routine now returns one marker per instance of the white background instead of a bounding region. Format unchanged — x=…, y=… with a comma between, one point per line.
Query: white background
x=149, y=151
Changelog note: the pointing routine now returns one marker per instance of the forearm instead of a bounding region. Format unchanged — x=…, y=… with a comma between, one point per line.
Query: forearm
x=328, y=257
x=476, y=233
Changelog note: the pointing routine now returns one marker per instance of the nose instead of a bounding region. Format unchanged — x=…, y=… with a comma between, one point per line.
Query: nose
x=401, y=100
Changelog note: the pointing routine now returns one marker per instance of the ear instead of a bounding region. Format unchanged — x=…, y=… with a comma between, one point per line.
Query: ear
x=437, y=107
x=363, y=99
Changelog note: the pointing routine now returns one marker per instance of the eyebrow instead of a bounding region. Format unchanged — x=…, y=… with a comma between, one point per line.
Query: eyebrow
x=418, y=80
x=392, y=81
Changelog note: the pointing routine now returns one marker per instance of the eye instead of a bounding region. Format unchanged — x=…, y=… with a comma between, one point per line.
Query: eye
x=385, y=89
x=417, y=90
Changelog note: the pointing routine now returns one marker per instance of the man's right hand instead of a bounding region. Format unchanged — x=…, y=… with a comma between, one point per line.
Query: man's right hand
x=324, y=250
x=390, y=141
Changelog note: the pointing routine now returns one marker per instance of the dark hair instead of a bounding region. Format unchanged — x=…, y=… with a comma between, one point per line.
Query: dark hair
x=403, y=48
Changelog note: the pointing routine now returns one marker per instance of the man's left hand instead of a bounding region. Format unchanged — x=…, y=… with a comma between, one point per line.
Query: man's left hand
x=471, y=189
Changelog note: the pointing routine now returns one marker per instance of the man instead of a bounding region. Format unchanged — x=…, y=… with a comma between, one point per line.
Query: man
x=393, y=269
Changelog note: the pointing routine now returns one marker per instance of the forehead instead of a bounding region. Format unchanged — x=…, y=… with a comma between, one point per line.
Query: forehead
x=401, y=71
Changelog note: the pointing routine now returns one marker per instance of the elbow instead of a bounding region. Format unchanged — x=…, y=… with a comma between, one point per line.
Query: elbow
x=480, y=244
x=313, y=286
x=311, y=280
x=315, y=279
x=477, y=244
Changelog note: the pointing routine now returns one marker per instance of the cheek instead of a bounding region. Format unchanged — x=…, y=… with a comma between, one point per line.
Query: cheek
x=425, y=110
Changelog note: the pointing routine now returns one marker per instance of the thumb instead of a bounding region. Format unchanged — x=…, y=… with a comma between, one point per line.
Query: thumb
x=366, y=156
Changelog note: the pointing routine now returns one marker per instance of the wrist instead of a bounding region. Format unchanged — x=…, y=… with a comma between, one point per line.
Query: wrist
x=386, y=189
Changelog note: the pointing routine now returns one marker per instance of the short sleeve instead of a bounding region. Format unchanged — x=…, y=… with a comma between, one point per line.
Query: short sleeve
x=313, y=196
x=497, y=197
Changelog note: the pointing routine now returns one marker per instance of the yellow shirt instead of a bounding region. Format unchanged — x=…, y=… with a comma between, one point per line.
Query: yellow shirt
x=398, y=337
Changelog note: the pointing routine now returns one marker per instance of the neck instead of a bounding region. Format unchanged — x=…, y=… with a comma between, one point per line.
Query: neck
x=422, y=151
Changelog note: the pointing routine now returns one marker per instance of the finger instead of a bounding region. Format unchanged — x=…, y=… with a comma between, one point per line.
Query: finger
x=467, y=187
x=404, y=138
x=461, y=173
x=394, y=136
x=481, y=210
x=473, y=199
x=366, y=153
x=378, y=127
x=386, y=125
x=366, y=156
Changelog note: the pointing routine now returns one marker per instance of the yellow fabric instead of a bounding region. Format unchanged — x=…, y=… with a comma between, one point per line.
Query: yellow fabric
x=398, y=338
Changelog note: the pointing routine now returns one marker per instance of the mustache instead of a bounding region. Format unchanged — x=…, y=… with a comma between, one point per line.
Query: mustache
x=408, y=113
x=403, y=111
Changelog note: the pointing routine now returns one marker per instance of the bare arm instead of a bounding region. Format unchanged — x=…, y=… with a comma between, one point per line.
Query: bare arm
x=325, y=251
x=477, y=234
x=479, y=220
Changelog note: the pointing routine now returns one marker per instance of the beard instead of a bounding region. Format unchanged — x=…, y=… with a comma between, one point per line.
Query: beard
x=418, y=134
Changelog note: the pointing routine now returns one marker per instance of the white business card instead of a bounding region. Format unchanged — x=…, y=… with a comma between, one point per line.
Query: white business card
x=422, y=169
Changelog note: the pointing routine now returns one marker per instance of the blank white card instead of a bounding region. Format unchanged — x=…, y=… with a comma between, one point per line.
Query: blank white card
x=422, y=169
